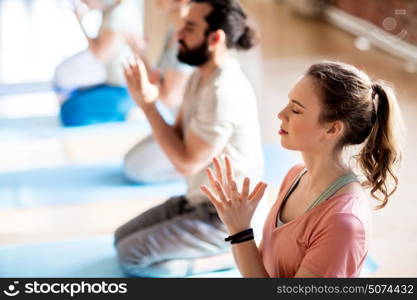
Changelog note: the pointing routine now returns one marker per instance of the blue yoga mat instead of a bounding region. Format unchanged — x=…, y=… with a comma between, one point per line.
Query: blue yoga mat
x=78, y=184
x=75, y=184
x=50, y=127
x=93, y=257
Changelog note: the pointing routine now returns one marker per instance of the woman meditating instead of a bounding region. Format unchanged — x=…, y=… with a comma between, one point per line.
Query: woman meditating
x=319, y=225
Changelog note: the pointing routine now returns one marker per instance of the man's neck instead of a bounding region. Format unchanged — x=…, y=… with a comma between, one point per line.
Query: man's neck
x=209, y=67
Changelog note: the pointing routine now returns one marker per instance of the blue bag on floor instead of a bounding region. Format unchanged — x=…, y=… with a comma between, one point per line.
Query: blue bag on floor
x=100, y=104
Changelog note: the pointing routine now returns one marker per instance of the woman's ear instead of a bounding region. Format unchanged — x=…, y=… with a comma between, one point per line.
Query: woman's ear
x=335, y=129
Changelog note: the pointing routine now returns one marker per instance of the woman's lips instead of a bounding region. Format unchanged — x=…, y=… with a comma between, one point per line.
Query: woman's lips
x=282, y=132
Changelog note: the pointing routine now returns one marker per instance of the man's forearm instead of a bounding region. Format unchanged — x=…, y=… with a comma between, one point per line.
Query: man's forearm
x=167, y=137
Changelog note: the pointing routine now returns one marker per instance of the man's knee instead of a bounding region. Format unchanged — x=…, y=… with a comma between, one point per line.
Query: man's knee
x=131, y=255
x=137, y=166
x=119, y=234
x=137, y=163
x=133, y=168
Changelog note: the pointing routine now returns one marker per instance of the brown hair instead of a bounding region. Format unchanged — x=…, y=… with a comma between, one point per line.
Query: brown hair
x=368, y=111
x=229, y=16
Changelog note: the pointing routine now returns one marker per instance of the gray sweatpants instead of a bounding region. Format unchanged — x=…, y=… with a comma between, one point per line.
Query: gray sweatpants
x=165, y=240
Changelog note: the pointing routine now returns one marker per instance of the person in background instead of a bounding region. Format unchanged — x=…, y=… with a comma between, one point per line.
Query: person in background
x=218, y=115
x=91, y=85
x=136, y=165
x=170, y=75
x=320, y=223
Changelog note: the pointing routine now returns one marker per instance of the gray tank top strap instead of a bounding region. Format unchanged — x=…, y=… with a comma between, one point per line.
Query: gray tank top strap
x=333, y=188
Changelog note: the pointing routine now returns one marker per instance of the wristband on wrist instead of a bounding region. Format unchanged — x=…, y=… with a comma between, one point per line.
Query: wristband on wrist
x=248, y=238
x=243, y=236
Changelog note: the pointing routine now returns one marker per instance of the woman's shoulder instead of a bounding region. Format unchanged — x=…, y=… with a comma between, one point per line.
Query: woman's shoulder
x=289, y=179
x=291, y=175
x=349, y=209
x=296, y=169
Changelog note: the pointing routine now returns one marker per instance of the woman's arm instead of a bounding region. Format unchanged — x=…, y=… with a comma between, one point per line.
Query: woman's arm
x=248, y=260
x=236, y=209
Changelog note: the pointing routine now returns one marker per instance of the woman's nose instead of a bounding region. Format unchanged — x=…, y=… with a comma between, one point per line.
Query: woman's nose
x=280, y=115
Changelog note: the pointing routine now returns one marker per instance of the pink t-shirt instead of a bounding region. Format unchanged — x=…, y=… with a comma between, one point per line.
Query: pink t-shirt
x=330, y=240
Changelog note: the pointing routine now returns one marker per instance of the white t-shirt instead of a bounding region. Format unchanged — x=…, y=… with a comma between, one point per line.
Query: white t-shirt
x=126, y=19
x=223, y=112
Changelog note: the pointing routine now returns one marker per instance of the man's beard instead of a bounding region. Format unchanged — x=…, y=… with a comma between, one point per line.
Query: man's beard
x=194, y=57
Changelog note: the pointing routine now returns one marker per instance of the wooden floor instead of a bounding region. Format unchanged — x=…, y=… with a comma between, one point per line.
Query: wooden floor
x=289, y=44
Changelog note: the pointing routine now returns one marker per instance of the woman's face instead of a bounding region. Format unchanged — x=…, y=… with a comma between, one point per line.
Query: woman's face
x=300, y=127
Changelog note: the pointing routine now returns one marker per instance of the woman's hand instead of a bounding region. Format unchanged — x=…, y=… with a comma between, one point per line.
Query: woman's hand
x=140, y=87
x=235, y=208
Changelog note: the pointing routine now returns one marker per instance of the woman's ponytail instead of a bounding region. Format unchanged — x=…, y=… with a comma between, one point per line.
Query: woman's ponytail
x=380, y=153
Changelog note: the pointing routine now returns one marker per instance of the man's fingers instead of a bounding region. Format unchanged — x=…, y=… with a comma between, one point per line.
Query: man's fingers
x=135, y=71
x=131, y=61
x=143, y=73
x=128, y=73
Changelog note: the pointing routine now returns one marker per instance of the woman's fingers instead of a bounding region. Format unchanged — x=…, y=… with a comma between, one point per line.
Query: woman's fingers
x=255, y=190
x=229, y=170
x=220, y=192
x=234, y=191
x=259, y=193
x=211, y=178
x=245, y=188
x=206, y=191
x=218, y=169
x=216, y=185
